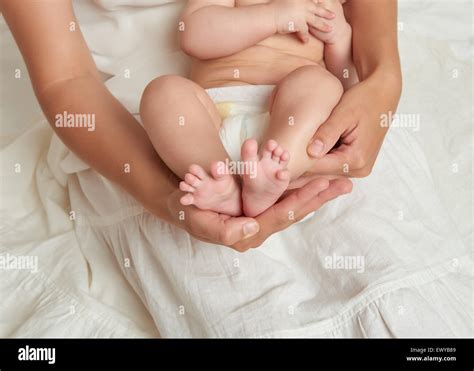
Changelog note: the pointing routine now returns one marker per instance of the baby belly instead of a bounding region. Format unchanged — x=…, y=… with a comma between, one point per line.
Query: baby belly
x=258, y=65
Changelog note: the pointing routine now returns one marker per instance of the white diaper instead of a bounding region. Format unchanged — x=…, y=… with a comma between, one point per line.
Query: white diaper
x=244, y=113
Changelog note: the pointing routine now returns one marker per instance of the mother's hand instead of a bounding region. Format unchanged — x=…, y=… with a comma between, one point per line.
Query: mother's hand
x=349, y=141
x=355, y=124
x=244, y=233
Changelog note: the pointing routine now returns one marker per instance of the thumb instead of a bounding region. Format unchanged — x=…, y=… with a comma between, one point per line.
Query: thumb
x=326, y=136
x=237, y=229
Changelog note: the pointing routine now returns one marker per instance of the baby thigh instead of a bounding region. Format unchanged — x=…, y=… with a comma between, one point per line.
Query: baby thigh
x=301, y=102
x=182, y=123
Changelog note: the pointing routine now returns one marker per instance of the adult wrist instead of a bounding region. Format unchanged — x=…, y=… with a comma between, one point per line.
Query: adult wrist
x=386, y=61
x=154, y=191
x=388, y=79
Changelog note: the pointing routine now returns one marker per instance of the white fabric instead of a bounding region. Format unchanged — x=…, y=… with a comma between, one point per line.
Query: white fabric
x=411, y=220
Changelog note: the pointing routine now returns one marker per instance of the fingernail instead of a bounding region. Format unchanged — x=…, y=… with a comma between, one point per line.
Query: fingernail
x=316, y=148
x=251, y=229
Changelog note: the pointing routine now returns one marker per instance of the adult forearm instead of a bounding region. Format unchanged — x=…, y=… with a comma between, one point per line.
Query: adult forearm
x=117, y=148
x=67, y=83
x=218, y=31
x=375, y=42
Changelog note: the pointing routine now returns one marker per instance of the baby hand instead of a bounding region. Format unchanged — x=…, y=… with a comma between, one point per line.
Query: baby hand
x=339, y=26
x=298, y=16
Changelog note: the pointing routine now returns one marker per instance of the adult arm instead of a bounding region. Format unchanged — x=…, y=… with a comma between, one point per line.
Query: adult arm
x=65, y=78
x=355, y=122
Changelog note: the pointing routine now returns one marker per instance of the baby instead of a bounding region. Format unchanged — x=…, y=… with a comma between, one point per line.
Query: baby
x=303, y=47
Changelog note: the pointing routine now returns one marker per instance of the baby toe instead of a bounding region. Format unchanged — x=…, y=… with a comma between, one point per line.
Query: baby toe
x=249, y=150
x=269, y=148
x=185, y=187
x=277, y=152
x=187, y=199
x=283, y=174
x=192, y=180
x=284, y=158
x=219, y=169
x=198, y=171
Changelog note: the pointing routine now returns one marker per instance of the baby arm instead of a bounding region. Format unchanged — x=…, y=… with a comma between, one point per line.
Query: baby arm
x=338, y=45
x=216, y=28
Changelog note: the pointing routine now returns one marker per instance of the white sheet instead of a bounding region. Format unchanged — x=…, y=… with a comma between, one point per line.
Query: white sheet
x=411, y=220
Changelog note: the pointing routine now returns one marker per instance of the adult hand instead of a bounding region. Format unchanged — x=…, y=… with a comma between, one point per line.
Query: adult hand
x=243, y=233
x=355, y=125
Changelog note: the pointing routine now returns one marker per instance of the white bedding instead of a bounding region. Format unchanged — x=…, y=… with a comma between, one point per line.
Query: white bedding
x=411, y=219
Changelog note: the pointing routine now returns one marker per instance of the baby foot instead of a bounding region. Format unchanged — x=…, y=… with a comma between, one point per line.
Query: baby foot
x=219, y=192
x=262, y=189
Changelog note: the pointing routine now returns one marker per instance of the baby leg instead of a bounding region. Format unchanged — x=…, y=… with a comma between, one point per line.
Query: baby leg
x=301, y=103
x=183, y=125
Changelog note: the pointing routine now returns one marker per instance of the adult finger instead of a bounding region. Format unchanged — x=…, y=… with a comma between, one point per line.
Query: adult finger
x=209, y=226
x=289, y=209
x=346, y=161
x=281, y=215
x=337, y=187
x=332, y=190
x=295, y=207
x=217, y=229
x=329, y=132
x=332, y=163
x=309, y=177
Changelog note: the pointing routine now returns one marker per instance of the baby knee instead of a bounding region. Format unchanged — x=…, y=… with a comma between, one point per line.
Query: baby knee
x=315, y=80
x=159, y=95
x=162, y=90
x=333, y=86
